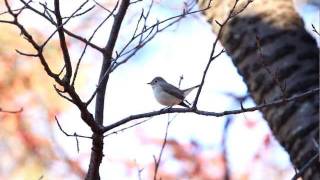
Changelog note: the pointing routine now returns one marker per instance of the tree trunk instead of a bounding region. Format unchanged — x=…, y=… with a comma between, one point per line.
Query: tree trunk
x=285, y=64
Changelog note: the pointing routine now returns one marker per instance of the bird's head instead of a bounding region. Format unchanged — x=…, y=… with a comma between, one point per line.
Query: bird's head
x=156, y=81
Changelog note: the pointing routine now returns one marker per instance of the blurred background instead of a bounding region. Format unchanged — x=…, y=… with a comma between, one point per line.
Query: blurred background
x=210, y=148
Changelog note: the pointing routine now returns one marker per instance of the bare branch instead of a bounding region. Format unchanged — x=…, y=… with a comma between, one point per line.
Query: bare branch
x=133, y=2
x=157, y=161
x=107, y=56
x=47, y=16
x=233, y=14
x=18, y=10
x=77, y=141
x=224, y=148
x=180, y=80
x=11, y=111
x=6, y=22
x=97, y=147
x=63, y=43
x=61, y=25
x=70, y=135
x=315, y=30
x=47, y=11
x=86, y=45
x=35, y=45
x=80, y=14
x=59, y=92
x=312, y=160
x=207, y=113
x=83, y=40
x=26, y=54
x=38, y=12
x=106, y=9
x=61, y=70
x=151, y=31
x=128, y=127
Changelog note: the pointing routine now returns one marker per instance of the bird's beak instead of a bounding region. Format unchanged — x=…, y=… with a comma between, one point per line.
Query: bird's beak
x=149, y=83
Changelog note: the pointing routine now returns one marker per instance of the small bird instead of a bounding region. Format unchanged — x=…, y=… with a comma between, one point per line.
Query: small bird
x=169, y=95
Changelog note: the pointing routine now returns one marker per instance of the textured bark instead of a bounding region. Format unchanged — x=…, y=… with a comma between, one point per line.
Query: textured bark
x=97, y=143
x=291, y=55
x=95, y=157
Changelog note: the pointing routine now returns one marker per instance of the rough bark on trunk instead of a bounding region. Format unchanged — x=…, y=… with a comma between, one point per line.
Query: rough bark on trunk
x=289, y=55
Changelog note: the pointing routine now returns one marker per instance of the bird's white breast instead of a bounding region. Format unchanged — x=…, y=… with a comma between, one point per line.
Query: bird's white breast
x=164, y=98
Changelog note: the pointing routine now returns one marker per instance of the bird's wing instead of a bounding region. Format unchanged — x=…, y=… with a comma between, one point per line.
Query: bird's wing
x=172, y=90
x=187, y=91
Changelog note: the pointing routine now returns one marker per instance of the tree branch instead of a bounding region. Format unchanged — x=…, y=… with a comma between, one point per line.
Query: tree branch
x=229, y=120
x=314, y=159
x=30, y=39
x=107, y=56
x=97, y=144
x=157, y=161
x=152, y=32
x=70, y=135
x=11, y=111
x=63, y=44
x=69, y=33
x=207, y=113
x=86, y=45
x=128, y=127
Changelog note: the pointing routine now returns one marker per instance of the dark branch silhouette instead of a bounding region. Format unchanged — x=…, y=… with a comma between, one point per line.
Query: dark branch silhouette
x=207, y=113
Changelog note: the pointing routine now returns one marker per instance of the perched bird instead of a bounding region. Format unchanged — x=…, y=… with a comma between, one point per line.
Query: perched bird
x=169, y=95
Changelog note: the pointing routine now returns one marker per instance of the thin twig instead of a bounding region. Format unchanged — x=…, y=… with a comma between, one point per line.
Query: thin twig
x=306, y=166
x=80, y=14
x=106, y=9
x=153, y=30
x=14, y=10
x=77, y=141
x=26, y=54
x=61, y=70
x=31, y=40
x=224, y=148
x=315, y=30
x=11, y=111
x=60, y=93
x=133, y=2
x=70, y=135
x=139, y=173
x=128, y=127
x=71, y=34
x=86, y=45
x=64, y=23
x=157, y=161
x=180, y=80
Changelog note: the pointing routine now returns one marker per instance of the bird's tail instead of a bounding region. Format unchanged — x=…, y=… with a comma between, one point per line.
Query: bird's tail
x=187, y=91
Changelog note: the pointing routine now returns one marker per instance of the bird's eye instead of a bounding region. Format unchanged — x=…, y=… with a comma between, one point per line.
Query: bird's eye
x=155, y=81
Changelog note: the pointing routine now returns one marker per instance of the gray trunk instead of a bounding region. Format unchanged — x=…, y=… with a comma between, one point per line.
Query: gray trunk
x=290, y=56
